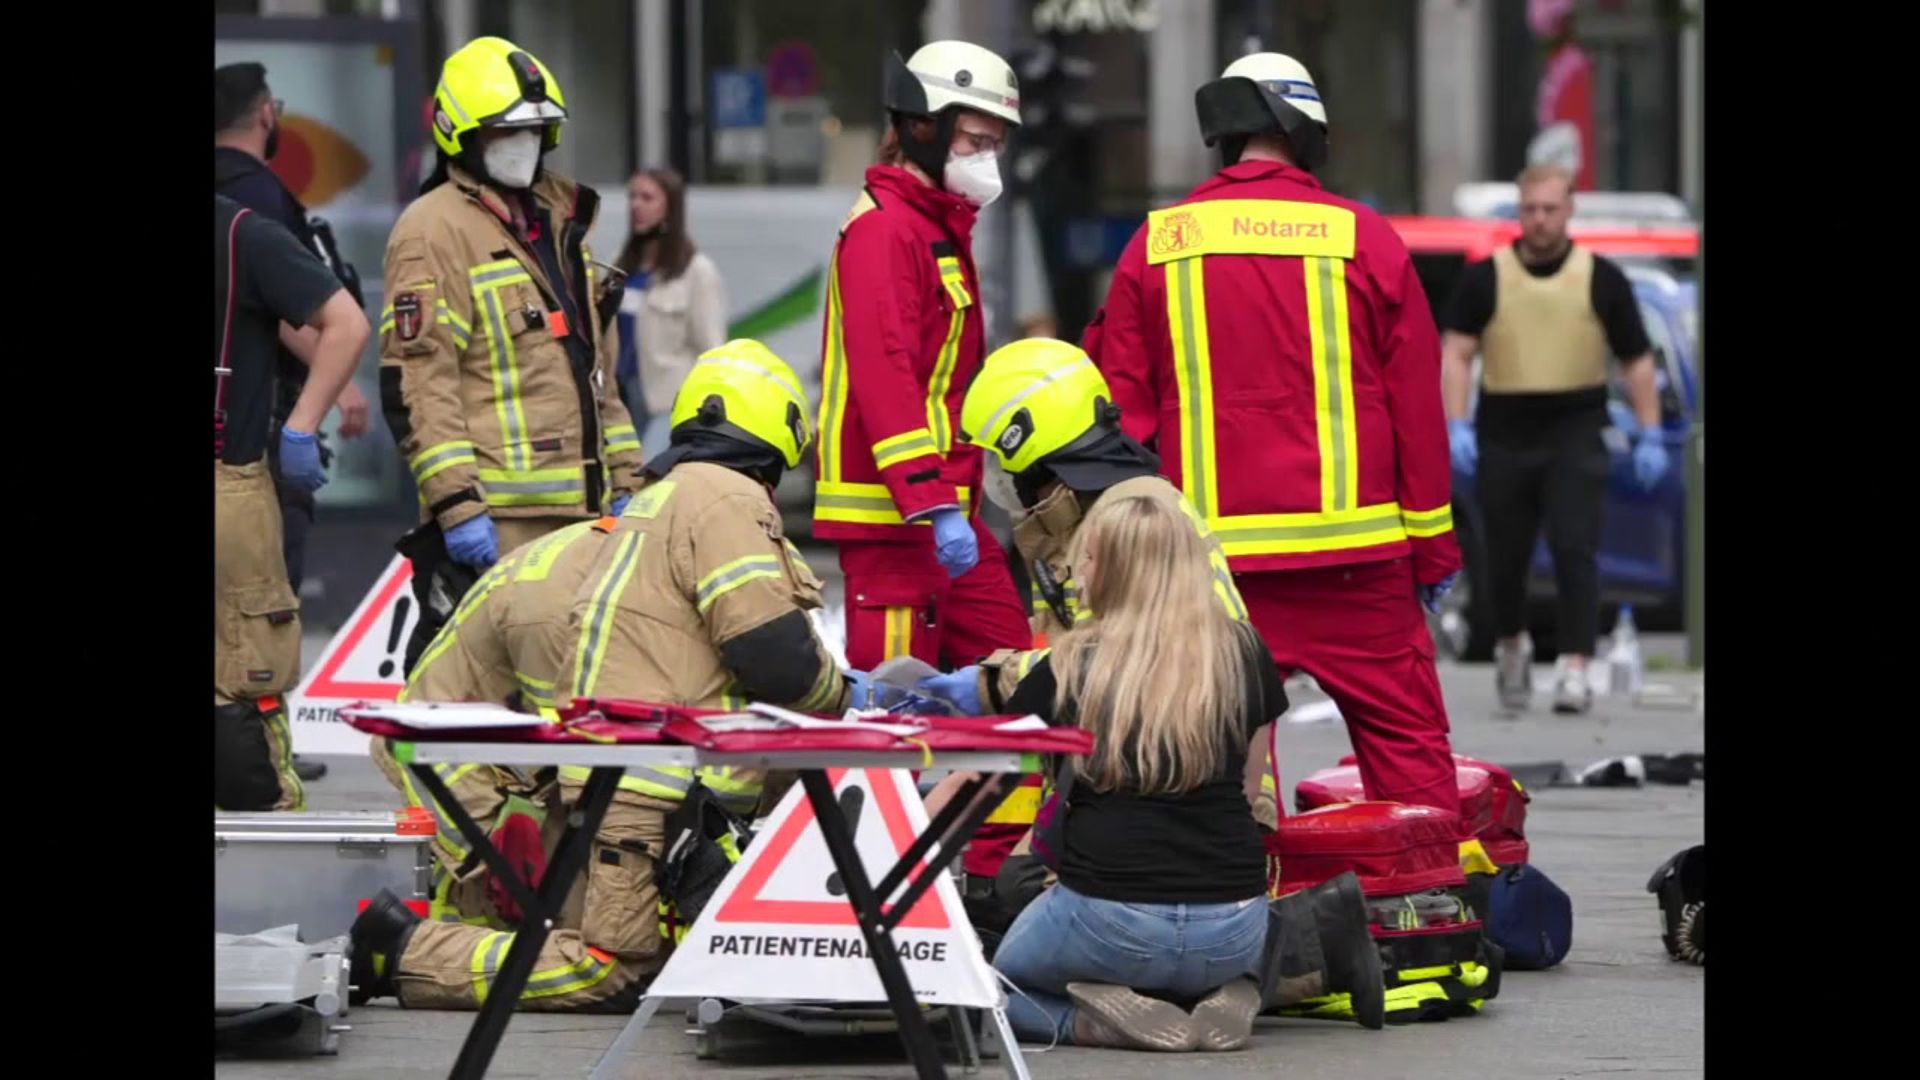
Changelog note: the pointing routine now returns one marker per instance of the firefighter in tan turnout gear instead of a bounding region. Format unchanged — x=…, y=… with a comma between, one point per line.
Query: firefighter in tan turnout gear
x=695, y=598
x=496, y=365
x=504, y=645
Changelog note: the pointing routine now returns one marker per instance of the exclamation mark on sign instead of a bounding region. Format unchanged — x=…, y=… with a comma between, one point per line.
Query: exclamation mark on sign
x=400, y=609
x=851, y=800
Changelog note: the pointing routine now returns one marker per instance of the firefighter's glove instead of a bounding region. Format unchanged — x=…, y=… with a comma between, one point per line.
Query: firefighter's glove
x=1649, y=459
x=620, y=504
x=953, y=541
x=1430, y=594
x=300, y=460
x=961, y=689
x=1464, y=444
x=474, y=542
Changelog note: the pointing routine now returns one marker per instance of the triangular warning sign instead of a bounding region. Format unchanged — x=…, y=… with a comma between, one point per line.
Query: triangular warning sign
x=781, y=928
x=362, y=662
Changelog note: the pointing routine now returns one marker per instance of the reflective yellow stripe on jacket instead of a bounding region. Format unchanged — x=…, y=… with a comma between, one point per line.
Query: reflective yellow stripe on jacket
x=1182, y=237
x=938, y=422
x=486, y=281
x=866, y=504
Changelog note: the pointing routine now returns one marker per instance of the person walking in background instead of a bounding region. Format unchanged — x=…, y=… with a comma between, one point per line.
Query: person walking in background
x=674, y=307
x=1543, y=314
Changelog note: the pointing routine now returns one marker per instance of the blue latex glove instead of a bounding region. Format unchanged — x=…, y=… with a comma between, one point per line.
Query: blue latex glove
x=954, y=542
x=1649, y=460
x=1430, y=594
x=620, y=505
x=1464, y=444
x=961, y=687
x=300, y=460
x=474, y=542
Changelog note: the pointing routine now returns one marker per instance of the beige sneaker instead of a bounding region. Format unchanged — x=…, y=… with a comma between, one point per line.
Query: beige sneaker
x=1122, y=1017
x=1223, y=1020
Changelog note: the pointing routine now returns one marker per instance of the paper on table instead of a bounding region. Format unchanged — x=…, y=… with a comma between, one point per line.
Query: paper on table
x=801, y=720
x=451, y=716
x=1025, y=723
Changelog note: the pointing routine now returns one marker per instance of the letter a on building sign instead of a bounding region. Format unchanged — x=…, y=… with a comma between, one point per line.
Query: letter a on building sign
x=362, y=663
x=781, y=928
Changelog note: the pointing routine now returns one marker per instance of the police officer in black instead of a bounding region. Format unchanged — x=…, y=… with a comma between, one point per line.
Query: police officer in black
x=246, y=135
x=263, y=278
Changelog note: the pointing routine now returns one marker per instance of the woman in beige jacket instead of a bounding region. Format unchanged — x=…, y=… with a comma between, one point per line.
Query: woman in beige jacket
x=674, y=308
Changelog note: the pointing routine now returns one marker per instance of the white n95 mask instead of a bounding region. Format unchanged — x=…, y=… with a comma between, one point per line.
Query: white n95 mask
x=974, y=177
x=513, y=159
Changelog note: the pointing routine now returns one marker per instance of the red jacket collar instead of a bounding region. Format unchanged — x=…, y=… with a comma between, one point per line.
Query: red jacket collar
x=1256, y=170
x=893, y=185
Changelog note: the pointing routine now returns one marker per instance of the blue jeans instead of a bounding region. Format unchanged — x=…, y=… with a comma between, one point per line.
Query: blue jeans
x=1181, y=952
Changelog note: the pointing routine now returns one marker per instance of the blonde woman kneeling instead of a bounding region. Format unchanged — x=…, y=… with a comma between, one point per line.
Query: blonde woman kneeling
x=1152, y=939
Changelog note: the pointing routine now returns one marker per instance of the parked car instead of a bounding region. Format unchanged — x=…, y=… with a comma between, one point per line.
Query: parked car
x=1642, y=542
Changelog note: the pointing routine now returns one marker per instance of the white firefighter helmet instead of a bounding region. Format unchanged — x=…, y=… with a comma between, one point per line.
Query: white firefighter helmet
x=942, y=75
x=1264, y=94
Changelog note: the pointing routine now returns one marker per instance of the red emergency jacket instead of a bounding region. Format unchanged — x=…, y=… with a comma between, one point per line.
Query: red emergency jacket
x=902, y=340
x=1273, y=344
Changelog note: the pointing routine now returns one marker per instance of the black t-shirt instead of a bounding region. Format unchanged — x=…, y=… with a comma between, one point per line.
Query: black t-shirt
x=273, y=280
x=1471, y=308
x=1198, y=847
x=248, y=181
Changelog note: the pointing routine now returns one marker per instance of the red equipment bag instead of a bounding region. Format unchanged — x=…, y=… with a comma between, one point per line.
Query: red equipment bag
x=1503, y=834
x=1393, y=849
x=1341, y=784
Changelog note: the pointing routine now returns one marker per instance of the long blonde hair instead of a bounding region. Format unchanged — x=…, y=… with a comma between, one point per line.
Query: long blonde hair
x=1159, y=673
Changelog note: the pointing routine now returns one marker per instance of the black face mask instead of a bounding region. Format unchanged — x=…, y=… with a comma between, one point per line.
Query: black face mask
x=273, y=141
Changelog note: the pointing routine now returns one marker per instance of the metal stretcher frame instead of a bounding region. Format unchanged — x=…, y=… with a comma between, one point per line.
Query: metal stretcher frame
x=958, y=820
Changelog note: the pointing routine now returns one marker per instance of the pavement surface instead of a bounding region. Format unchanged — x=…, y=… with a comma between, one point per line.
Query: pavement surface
x=1617, y=1005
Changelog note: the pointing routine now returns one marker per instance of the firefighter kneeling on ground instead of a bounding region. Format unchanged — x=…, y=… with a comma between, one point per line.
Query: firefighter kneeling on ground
x=1044, y=414
x=504, y=644
x=695, y=598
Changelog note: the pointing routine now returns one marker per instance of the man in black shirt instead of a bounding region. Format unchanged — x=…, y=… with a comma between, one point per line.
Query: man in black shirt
x=246, y=133
x=1544, y=314
x=263, y=278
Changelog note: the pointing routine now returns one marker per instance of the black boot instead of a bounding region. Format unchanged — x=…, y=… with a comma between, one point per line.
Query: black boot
x=307, y=769
x=1318, y=944
x=379, y=937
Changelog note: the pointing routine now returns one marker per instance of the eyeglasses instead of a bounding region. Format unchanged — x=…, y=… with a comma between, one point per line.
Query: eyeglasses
x=981, y=144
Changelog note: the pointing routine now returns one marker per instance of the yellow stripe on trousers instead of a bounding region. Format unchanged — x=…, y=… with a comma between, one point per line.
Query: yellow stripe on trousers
x=1332, y=382
x=1193, y=372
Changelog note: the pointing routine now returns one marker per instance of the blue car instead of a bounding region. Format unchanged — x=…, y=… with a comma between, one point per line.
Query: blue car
x=1642, y=540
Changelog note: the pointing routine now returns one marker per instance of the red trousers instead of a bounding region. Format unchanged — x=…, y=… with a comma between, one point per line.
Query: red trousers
x=900, y=602
x=1359, y=631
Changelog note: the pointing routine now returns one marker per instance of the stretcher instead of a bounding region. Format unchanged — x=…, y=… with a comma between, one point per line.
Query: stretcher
x=610, y=737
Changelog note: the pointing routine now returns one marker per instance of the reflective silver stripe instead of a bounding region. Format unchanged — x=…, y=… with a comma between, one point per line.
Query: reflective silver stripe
x=507, y=376
x=491, y=963
x=676, y=782
x=1248, y=533
x=970, y=91
x=711, y=589
x=1336, y=405
x=585, y=973
x=855, y=502
x=533, y=487
x=459, y=111
x=1013, y=403
x=488, y=277
x=1193, y=466
x=452, y=453
x=587, y=663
